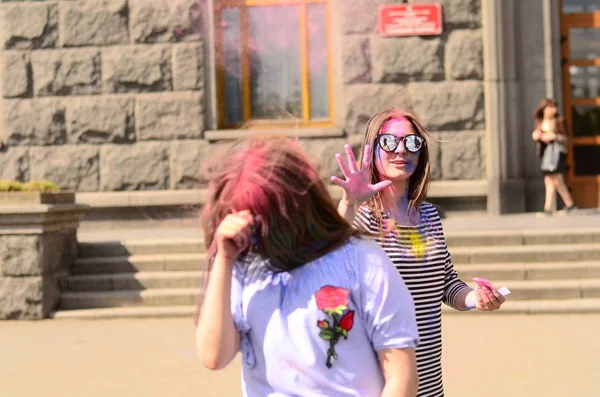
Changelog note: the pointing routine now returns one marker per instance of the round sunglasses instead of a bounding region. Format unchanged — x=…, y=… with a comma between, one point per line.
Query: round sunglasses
x=389, y=143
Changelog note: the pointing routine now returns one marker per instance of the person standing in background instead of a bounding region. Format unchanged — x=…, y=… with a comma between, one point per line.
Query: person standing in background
x=551, y=143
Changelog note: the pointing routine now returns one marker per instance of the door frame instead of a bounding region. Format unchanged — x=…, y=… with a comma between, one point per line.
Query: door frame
x=585, y=189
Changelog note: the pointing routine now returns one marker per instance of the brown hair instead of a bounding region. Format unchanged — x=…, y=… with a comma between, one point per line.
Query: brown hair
x=418, y=184
x=538, y=114
x=272, y=177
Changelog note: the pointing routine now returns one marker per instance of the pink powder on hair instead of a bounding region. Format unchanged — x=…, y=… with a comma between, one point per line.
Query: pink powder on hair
x=246, y=195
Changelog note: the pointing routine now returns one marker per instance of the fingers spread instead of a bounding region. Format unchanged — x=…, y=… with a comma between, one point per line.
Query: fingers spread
x=351, y=158
x=342, y=165
x=381, y=185
x=366, y=161
x=338, y=181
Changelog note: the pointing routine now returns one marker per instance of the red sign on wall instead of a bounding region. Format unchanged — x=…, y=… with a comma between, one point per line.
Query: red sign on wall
x=410, y=19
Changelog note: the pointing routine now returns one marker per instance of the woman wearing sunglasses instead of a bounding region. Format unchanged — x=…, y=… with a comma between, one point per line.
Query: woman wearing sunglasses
x=315, y=308
x=385, y=198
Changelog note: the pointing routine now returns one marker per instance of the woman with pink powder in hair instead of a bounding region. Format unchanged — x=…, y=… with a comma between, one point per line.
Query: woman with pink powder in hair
x=315, y=308
x=385, y=197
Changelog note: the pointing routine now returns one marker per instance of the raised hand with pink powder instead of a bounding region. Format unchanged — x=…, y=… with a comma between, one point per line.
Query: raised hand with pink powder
x=357, y=186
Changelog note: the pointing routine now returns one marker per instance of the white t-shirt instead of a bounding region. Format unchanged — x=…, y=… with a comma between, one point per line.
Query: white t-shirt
x=315, y=331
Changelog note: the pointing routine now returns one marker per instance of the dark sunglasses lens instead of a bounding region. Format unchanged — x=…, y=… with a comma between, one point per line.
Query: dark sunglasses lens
x=389, y=143
x=413, y=143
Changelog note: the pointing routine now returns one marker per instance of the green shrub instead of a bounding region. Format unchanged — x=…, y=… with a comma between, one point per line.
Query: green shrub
x=41, y=186
x=10, y=186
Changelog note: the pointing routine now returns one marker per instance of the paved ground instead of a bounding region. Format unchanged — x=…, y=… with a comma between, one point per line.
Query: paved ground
x=484, y=355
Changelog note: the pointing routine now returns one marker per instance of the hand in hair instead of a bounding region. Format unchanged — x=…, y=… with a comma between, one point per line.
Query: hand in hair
x=234, y=233
x=357, y=186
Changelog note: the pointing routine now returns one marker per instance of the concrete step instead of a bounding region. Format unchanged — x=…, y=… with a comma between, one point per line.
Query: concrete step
x=190, y=279
x=526, y=253
x=540, y=306
x=478, y=238
x=140, y=263
x=133, y=281
x=126, y=312
x=530, y=271
x=150, y=246
x=521, y=290
x=149, y=297
x=175, y=241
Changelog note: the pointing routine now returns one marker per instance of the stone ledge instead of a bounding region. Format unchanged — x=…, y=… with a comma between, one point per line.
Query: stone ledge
x=37, y=219
x=301, y=132
x=22, y=199
x=452, y=189
x=160, y=198
x=149, y=198
x=40, y=208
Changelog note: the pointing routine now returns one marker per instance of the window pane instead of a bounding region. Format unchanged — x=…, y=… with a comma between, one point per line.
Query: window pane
x=586, y=120
x=274, y=55
x=584, y=43
x=318, y=59
x=577, y=6
x=232, y=71
x=587, y=160
x=585, y=81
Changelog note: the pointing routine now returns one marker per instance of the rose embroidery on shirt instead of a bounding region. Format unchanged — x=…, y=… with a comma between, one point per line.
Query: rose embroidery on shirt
x=334, y=302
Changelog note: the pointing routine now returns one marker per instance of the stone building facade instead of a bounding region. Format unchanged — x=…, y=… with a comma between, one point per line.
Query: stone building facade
x=122, y=95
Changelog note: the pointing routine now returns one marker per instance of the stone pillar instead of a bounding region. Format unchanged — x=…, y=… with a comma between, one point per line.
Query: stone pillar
x=502, y=107
x=541, y=71
x=38, y=245
x=1, y=96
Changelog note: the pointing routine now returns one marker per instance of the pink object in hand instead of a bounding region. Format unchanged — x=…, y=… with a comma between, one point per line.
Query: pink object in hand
x=482, y=282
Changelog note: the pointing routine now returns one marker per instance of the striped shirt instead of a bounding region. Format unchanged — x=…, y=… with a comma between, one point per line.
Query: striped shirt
x=421, y=256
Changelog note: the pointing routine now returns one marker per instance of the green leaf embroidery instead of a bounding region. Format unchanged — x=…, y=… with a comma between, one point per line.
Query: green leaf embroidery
x=340, y=310
x=326, y=334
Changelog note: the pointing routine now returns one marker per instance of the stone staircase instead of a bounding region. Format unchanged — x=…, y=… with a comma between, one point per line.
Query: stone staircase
x=546, y=270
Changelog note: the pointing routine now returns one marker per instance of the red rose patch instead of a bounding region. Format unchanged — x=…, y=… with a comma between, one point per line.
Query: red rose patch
x=334, y=302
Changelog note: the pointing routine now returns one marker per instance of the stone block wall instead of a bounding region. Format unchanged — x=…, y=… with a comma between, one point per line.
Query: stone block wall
x=439, y=77
x=101, y=95
x=109, y=95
